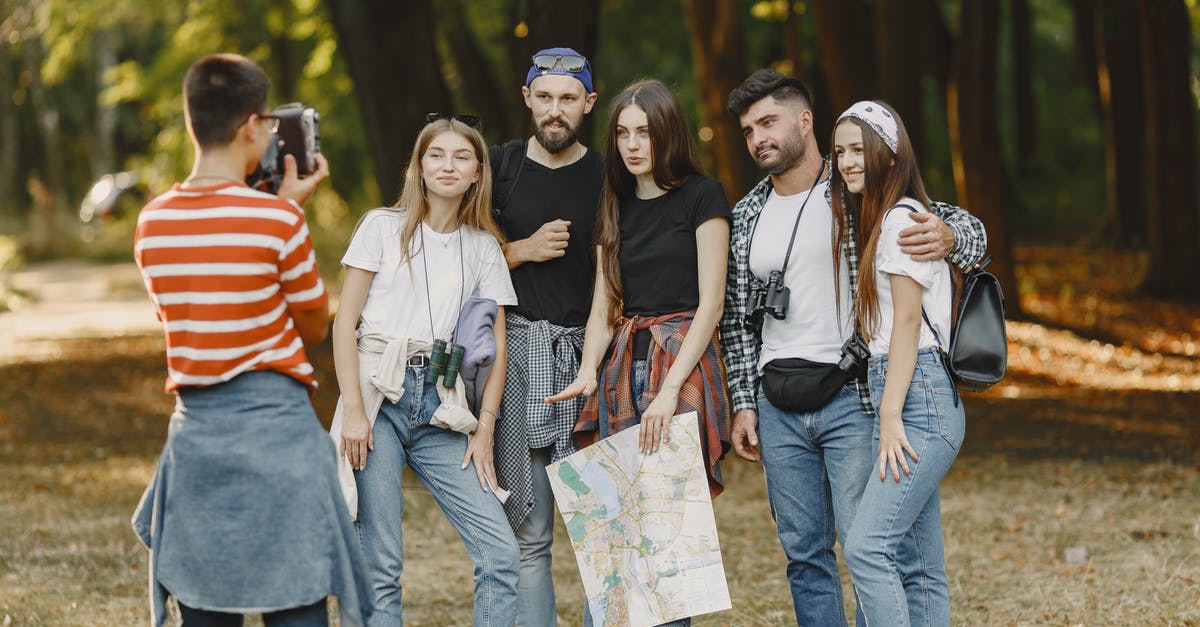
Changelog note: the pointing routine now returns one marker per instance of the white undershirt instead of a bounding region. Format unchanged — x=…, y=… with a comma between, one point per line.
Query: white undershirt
x=815, y=327
x=396, y=302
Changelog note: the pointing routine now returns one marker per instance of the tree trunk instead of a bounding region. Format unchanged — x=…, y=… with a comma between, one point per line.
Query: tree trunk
x=493, y=98
x=389, y=52
x=9, y=139
x=719, y=52
x=940, y=46
x=104, y=155
x=1085, y=44
x=552, y=24
x=899, y=59
x=1118, y=64
x=1026, y=116
x=283, y=67
x=975, y=135
x=1171, y=211
x=48, y=190
x=847, y=50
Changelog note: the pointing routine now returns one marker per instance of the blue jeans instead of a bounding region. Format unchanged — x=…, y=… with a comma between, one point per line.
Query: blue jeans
x=895, y=548
x=535, y=598
x=402, y=435
x=816, y=465
x=638, y=385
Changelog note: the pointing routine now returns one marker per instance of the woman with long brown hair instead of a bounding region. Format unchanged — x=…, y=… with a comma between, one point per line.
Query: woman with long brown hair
x=411, y=270
x=903, y=309
x=662, y=246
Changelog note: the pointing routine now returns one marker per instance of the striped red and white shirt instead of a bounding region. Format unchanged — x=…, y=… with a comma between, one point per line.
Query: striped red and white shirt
x=224, y=265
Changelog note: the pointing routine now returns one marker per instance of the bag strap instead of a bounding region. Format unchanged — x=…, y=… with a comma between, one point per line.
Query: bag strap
x=941, y=351
x=796, y=226
x=511, y=162
x=924, y=317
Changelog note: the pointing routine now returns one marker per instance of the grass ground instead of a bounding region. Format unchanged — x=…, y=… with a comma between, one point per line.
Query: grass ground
x=1075, y=500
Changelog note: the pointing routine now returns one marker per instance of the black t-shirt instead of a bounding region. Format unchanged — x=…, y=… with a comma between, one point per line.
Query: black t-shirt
x=558, y=290
x=658, y=246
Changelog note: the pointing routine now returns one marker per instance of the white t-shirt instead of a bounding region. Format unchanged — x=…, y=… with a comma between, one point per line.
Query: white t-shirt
x=397, y=304
x=934, y=277
x=815, y=327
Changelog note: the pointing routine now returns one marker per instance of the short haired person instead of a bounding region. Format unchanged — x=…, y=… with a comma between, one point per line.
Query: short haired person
x=547, y=188
x=817, y=462
x=903, y=308
x=412, y=271
x=244, y=513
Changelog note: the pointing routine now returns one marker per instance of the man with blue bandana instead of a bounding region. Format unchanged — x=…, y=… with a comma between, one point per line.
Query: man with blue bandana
x=545, y=193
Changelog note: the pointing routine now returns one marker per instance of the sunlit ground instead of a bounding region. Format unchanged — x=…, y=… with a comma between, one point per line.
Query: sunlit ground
x=1073, y=502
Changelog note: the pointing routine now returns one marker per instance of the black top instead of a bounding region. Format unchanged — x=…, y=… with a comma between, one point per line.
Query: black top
x=658, y=246
x=558, y=290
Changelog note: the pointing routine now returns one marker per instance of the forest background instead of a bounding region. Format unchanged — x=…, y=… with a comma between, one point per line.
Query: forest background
x=1068, y=126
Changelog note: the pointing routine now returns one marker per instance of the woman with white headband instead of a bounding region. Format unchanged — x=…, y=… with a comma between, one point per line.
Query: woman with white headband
x=894, y=547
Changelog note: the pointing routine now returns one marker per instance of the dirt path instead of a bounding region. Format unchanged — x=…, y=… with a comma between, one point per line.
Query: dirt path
x=71, y=300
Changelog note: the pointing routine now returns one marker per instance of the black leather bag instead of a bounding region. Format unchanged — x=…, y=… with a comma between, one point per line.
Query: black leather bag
x=978, y=352
x=799, y=385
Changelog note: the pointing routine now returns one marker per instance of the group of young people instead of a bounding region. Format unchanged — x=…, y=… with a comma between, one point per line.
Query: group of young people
x=577, y=294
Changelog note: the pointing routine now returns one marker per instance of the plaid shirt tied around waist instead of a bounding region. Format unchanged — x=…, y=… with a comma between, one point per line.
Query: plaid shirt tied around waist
x=543, y=358
x=705, y=391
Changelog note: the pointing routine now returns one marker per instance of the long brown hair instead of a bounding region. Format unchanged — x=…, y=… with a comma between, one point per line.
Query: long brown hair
x=476, y=206
x=672, y=157
x=887, y=178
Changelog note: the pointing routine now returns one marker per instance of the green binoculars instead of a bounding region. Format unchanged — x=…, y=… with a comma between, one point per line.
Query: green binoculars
x=445, y=361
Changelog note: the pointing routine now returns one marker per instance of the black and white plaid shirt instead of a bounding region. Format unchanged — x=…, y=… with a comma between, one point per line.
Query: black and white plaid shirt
x=740, y=345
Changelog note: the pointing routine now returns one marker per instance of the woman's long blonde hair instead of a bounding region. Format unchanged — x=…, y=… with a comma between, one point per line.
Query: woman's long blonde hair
x=476, y=207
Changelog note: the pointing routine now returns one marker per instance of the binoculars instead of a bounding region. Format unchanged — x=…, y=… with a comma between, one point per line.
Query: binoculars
x=773, y=301
x=445, y=361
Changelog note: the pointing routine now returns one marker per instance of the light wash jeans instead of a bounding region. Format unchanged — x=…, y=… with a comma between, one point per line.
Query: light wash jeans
x=816, y=464
x=535, y=598
x=403, y=435
x=895, y=547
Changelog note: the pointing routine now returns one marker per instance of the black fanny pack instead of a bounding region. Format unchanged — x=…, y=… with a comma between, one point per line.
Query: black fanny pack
x=800, y=385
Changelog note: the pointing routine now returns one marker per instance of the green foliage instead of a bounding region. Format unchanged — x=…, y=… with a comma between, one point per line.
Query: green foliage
x=155, y=42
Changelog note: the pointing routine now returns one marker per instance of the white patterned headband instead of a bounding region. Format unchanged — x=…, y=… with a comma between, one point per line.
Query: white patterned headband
x=878, y=118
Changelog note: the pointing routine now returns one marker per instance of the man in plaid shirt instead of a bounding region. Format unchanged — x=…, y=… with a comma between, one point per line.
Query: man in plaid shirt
x=816, y=462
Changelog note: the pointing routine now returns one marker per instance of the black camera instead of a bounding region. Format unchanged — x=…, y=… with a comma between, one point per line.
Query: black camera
x=774, y=300
x=297, y=133
x=854, y=357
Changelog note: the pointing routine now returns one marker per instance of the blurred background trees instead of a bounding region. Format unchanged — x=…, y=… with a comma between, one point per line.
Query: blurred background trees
x=1071, y=121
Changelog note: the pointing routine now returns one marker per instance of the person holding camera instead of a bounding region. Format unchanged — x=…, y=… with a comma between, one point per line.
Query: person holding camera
x=796, y=362
x=414, y=273
x=663, y=237
x=243, y=514
x=894, y=547
x=545, y=192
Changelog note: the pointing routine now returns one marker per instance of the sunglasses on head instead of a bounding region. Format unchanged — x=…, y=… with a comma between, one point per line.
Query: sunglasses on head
x=570, y=62
x=470, y=120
